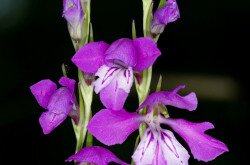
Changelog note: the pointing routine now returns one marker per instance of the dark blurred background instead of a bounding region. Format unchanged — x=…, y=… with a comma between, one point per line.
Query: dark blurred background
x=206, y=49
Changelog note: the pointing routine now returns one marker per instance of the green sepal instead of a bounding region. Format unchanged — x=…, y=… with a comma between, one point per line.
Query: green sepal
x=86, y=22
x=158, y=87
x=64, y=70
x=133, y=29
x=91, y=35
x=162, y=3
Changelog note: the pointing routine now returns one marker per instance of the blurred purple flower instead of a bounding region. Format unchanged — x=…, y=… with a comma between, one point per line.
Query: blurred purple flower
x=164, y=15
x=59, y=102
x=159, y=146
x=114, y=65
x=95, y=155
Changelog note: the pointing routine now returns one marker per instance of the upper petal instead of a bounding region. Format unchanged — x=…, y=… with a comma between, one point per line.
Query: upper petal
x=96, y=155
x=90, y=57
x=203, y=146
x=174, y=153
x=147, y=53
x=49, y=121
x=188, y=102
x=67, y=82
x=43, y=91
x=113, y=127
x=121, y=52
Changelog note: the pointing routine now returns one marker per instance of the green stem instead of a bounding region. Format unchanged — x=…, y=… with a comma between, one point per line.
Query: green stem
x=79, y=127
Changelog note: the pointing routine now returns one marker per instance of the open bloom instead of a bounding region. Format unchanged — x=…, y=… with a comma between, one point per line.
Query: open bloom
x=159, y=145
x=114, y=65
x=59, y=103
x=164, y=15
x=95, y=155
x=73, y=13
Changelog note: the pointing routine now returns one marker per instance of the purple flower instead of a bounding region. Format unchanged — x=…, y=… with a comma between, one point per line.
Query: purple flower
x=72, y=12
x=59, y=102
x=114, y=65
x=95, y=155
x=164, y=15
x=159, y=145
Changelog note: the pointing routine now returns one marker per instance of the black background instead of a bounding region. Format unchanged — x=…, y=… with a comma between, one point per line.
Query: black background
x=206, y=49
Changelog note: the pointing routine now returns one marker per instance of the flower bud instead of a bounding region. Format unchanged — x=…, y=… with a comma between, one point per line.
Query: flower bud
x=73, y=13
x=164, y=15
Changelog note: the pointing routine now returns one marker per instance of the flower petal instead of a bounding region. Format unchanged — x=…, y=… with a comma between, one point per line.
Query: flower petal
x=113, y=97
x=188, y=102
x=43, y=91
x=67, y=82
x=174, y=153
x=61, y=102
x=49, y=121
x=147, y=53
x=203, y=146
x=95, y=155
x=113, y=127
x=122, y=52
x=145, y=152
x=105, y=76
x=90, y=57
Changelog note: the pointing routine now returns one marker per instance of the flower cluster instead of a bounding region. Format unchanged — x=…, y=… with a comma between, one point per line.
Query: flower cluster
x=109, y=70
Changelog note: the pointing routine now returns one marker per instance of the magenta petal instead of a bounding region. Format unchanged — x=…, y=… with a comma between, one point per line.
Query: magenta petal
x=95, y=155
x=67, y=82
x=188, y=102
x=203, y=146
x=121, y=52
x=43, y=91
x=61, y=101
x=49, y=121
x=113, y=127
x=113, y=97
x=90, y=57
x=147, y=53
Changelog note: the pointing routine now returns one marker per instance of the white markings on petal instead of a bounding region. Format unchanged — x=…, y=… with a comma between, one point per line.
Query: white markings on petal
x=160, y=148
x=173, y=152
x=144, y=154
x=123, y=77
x=106, y=75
